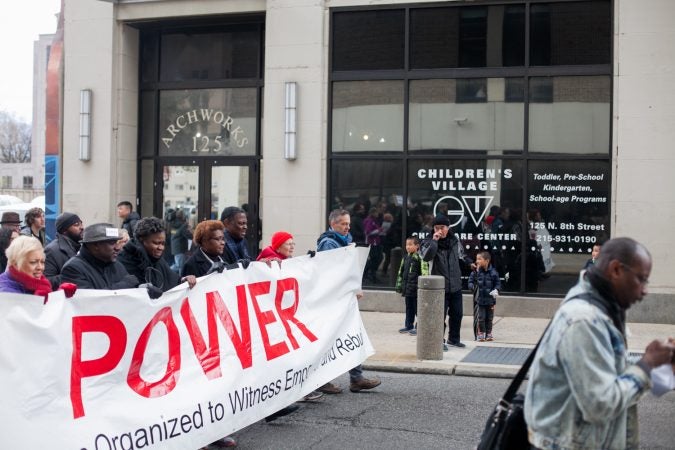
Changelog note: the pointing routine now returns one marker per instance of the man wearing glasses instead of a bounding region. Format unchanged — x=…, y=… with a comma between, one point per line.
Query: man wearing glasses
x=582, y=391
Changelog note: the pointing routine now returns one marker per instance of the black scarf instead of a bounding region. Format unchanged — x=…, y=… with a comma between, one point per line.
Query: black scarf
x=607, y=301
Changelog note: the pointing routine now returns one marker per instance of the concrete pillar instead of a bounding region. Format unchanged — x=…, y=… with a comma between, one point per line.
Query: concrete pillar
x=430, y=300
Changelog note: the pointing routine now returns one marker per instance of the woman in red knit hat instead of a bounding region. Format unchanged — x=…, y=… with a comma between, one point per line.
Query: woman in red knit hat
x=282, y=247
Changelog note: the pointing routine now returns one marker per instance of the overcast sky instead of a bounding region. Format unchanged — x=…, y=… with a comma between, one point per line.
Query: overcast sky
x=20, y=25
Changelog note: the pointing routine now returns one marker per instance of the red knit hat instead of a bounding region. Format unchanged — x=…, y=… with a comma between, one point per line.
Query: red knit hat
x=279, y=238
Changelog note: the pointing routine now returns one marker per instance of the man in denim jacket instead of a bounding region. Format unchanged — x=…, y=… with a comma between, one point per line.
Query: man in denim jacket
x=582, y=392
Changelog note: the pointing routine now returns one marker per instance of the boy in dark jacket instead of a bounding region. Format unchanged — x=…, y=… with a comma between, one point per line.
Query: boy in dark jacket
x=485, y=280
x=412, y=266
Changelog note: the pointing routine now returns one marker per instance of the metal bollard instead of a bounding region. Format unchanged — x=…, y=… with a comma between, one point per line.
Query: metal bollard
x=430, y=300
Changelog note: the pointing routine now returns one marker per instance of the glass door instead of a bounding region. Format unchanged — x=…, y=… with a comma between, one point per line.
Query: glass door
x=200, y=189
x=180, y=192
x=233, y=184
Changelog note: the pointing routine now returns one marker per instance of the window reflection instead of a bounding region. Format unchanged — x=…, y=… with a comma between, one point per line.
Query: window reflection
x=367, y=116
x=466, y=115
x=474, y=36
x=372, y=192
x=570, y=115
x=210, y=56
x=570, y=33
x=368, y=40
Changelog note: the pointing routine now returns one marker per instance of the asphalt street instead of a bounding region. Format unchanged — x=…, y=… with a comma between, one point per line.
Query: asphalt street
x=417, y=411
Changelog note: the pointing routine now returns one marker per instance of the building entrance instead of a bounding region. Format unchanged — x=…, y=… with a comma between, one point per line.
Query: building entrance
x=202, y=188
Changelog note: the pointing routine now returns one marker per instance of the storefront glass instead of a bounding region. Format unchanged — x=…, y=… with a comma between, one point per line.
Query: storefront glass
x=567, y=213
x=507, y=136
x=475, y=115
x=372, y=191
x=367, y=116
x=570, y=115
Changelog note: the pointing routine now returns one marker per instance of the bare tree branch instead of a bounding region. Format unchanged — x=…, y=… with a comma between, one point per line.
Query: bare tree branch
x=15, y=139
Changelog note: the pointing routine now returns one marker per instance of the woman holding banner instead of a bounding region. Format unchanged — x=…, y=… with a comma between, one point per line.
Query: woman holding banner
x=25, y=269
x=281, y=247
x=209, y=237
x=142, y=257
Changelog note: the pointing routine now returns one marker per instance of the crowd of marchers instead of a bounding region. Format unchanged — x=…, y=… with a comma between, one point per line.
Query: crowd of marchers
x=105, y=256
x=582, y=390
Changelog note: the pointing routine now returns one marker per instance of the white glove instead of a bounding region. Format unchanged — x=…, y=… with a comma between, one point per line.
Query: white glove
x=494, y=293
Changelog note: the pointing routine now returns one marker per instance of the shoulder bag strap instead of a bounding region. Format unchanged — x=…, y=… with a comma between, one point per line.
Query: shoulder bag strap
x=520, y=376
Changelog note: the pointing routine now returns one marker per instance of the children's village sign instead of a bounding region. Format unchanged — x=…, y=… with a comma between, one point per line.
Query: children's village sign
x=467, y=181
x=568, y=209
x=228, y=132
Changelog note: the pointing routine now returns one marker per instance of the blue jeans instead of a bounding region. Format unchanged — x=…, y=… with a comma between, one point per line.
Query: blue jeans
x=178, y=262
x=356, y=374
x=454, y=309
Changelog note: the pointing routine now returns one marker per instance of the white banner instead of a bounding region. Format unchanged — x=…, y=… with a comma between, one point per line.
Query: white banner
x=114, y=370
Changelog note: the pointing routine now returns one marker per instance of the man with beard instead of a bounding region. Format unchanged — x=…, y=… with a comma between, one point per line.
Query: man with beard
x=445, y=250
x=236, y=224
x=96, y=266
x=66, y=245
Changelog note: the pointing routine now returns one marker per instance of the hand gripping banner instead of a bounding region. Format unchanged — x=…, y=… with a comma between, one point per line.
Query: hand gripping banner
x=115, y=370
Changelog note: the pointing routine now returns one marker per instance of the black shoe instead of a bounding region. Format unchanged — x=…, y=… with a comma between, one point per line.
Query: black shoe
x=457, y=344
x=282, y=412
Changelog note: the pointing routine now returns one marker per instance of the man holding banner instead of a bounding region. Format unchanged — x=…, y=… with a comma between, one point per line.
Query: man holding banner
x=338, y=236
x=113, y=369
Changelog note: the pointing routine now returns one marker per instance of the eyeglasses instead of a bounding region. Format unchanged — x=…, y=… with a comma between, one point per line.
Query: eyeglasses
x=641, y=278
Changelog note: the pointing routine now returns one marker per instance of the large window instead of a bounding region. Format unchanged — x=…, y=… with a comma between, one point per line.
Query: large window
x=507, y=134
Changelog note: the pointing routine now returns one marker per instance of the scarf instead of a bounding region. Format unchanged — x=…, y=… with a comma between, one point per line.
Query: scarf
x=36, y=286
x=607, y=302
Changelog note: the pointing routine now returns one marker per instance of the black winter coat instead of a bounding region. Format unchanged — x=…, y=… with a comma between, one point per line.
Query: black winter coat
x=57, y=253
x=179, y=236
x=485, y=281
x=411, y=268
x=130, y=223
x=445, y=255
x=148, y=270
x=199, y=265
x=88, y=272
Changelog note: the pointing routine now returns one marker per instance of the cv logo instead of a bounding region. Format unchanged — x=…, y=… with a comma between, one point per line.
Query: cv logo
x=457, y=208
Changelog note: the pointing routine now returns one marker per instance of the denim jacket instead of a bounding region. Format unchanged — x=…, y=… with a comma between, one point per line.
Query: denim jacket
x=582, y=391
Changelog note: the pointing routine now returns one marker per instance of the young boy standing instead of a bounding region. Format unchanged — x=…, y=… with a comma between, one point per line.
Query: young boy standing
x=486, y=280
x=411, y=267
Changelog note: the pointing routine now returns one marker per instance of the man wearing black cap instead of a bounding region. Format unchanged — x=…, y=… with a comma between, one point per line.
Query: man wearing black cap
x=63, y=247
x=445, y=250
x=11, y=220
x=96, y=266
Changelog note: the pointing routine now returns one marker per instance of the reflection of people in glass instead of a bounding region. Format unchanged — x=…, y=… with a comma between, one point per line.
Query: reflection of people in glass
x=373, y=230
x=535, y=269
x=542, y=238
x=594, y=255
x=358, y=214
